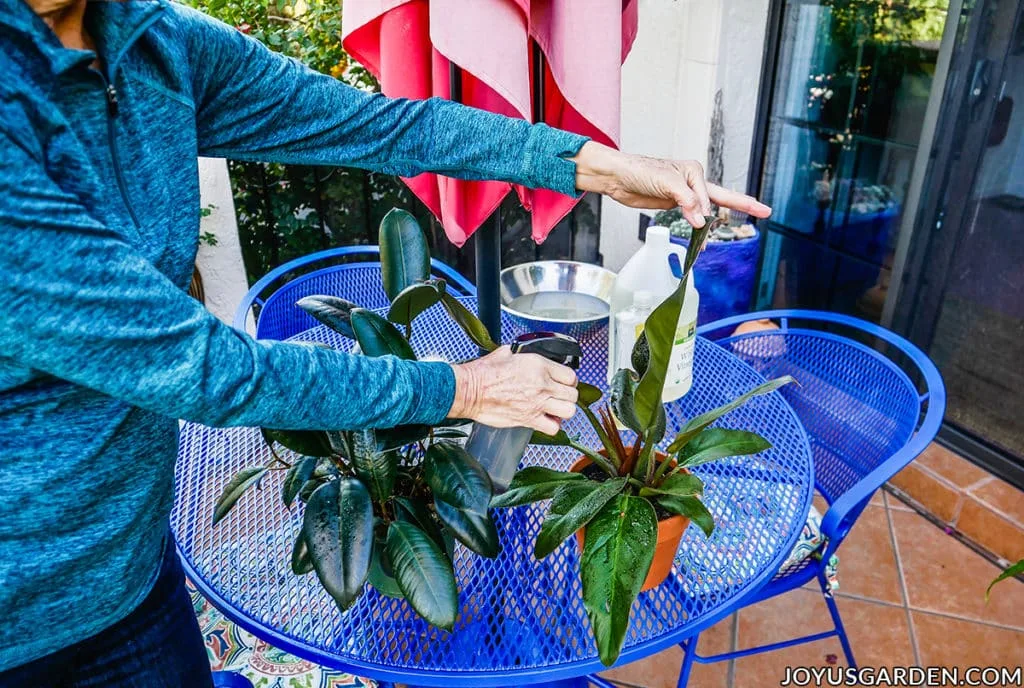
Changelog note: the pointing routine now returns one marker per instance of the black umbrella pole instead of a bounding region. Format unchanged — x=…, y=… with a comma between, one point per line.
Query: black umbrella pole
x=488, y=269
x=488, y=244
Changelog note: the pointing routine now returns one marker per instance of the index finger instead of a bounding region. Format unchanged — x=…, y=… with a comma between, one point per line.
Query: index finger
x=563, y=375
x=737, y=201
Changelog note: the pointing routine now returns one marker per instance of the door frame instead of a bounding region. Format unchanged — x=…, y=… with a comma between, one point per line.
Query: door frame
x=944, y=212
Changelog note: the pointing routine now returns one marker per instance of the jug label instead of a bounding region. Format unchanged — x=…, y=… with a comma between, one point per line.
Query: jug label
x=681, y=362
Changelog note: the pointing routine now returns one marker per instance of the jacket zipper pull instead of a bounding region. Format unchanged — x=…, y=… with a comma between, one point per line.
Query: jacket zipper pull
x=112, y=100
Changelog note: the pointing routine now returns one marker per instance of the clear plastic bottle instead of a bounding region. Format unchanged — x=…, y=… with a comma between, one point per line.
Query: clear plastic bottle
x=649, y=270
x=499, y=450
x=629, y=324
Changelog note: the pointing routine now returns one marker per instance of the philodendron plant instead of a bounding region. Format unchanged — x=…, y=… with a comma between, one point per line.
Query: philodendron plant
x=384, y=505
x=630, y=485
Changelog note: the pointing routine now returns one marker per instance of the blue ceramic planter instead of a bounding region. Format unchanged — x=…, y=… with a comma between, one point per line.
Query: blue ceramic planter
x=725, y=276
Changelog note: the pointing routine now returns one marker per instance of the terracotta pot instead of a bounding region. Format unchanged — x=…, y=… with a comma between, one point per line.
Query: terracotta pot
x=670, y=532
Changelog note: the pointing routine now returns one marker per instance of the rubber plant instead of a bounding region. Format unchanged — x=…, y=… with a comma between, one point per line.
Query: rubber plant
x=619, y=498
x=384, y=506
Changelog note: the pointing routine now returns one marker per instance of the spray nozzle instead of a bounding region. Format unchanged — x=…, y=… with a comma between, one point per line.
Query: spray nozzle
x=551, y=345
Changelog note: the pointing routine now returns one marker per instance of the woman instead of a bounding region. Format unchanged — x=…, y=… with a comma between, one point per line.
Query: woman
x=104, y=108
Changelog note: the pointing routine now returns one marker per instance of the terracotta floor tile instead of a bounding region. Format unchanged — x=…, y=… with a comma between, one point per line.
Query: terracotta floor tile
x=943, y=641
x=937, y=496
x=867, y=562
x=878, y=499
x=878, y=634
x=662, y=670
x=943, y=575
x=895, y=503
x=993, y=531
x=951, y=466
x=1004, y=497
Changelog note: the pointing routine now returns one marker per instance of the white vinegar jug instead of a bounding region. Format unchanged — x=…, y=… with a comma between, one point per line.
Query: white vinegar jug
x=649, y=270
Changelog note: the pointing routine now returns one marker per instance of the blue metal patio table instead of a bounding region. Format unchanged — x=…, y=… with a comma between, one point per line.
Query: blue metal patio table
x=521, y=621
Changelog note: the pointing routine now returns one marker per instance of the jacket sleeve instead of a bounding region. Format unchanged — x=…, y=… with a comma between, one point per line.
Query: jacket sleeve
x=255, y=104
x=81, y=304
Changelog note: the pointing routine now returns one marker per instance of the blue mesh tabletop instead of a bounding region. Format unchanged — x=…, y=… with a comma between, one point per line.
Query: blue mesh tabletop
x=521, y=621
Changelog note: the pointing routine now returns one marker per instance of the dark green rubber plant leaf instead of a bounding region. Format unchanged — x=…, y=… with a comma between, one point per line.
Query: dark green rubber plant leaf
x=660, y=334
x=617, y=552
x=470, y=324
x=572, y=507
x=404, y=253
x=449, y=434
x=533, y=484
x=415, y=299
x=697, y=425
x=332, y=311
x=306, y=442
x=381, y=574
x=473, y=529
x=297, y=476
x=375, y=468
x=424, y=574
x=307, y=490
x=401, y=436
x=456, y=477
x=301, y=561
x=678, y=484
x=416, y=511
x=692, y=508
x=712, y=444
x=338, y=529
x=236, y=487
x=378, y=337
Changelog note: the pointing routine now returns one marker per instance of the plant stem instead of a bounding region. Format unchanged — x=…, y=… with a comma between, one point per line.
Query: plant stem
x=278, y=459
x=665, y=465
x=602, y=462
x=609, y=447
x=341, y=464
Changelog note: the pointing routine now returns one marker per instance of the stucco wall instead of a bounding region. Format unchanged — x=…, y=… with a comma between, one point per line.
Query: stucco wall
x=684, y=52
x=221, y=266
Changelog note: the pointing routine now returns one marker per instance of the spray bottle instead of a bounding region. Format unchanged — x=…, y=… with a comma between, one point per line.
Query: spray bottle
x=499, y=450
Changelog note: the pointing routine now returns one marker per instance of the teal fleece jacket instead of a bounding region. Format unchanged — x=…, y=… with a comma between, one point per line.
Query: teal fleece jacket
x=102, y=350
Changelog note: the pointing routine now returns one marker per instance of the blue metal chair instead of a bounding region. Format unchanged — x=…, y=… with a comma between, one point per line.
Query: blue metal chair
x=351, y=272
x=870, y=403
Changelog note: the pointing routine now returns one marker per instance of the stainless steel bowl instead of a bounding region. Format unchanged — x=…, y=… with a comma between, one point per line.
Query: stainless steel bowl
x=534, y=297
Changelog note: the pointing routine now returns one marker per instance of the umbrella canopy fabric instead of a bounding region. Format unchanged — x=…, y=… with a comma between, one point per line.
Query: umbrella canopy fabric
x=409, y=46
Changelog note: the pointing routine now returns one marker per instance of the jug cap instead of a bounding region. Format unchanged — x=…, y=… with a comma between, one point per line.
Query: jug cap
x=555, y=347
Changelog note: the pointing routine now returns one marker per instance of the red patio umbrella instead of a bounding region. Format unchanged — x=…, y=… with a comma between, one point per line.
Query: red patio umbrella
x=556, y=61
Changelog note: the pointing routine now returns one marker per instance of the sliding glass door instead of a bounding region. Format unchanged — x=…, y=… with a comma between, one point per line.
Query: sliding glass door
x=847, y=99
x=963, y=299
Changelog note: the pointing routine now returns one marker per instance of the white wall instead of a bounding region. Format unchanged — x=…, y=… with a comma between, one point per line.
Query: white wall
x=221, y=266
x=686, y=50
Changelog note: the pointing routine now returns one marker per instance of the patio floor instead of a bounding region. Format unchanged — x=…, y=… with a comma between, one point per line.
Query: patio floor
x=910, y=595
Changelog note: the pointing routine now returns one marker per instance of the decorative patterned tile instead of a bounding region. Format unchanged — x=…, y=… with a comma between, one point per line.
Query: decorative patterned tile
x=231, y=648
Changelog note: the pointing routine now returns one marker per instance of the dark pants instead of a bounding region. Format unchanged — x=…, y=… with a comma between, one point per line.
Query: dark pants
x=157, y=646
